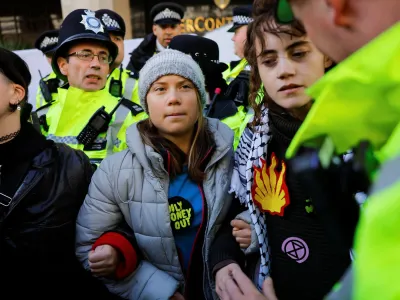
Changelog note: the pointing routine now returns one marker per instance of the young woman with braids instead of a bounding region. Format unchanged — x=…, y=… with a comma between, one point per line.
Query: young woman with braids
x=296, y=250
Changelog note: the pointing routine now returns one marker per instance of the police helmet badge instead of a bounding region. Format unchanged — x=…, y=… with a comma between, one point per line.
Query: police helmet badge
x=222, y=4
x=91, y=22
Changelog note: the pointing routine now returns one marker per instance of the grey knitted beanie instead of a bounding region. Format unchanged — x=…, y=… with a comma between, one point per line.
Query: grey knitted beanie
x=170, y=62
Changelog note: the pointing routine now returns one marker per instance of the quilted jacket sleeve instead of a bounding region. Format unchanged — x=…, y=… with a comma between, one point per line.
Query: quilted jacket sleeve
x=245, y=216
x=100, y=213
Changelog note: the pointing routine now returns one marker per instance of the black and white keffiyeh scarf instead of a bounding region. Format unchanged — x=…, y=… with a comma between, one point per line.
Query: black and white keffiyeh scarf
x=252, y=148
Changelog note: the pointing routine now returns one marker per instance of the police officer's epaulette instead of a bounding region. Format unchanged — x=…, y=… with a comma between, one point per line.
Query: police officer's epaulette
x=65, y=86
x=234, y=64
x=132, y=106
x=45, y=78
x=133, y=74
x=38, y=117
x=47, y=105
x=54, y=84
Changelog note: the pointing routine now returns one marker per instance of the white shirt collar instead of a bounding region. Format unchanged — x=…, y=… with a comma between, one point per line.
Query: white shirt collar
x=159, y=46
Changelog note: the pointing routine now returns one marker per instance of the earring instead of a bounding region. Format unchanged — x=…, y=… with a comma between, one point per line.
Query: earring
x=19, y=107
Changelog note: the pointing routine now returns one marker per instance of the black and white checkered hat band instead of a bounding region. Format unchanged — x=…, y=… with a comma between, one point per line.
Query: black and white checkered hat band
x=242, y=20
x=110, y=23
x=48, y=42
x=167, y=14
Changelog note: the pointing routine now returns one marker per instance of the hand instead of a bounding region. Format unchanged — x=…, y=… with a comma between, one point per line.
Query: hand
x=222, y=276
x=242, y=232
x=177, y=296
x=103, y=260
x=240, y=287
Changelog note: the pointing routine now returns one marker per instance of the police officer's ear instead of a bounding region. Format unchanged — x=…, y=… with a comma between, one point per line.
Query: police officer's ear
x=179, y=28
x=155, y=27
x=327, y=62
x=63, y=65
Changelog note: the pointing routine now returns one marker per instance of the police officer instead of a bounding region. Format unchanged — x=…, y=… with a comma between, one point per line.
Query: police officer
x=238, y=74
x=85, y=115
x=241, y=18
x=121, y=82
x=357, y=107
x=48, y=85
x=167, y=18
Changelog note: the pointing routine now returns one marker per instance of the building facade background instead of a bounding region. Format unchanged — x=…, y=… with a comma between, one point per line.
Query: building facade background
x=22, y=21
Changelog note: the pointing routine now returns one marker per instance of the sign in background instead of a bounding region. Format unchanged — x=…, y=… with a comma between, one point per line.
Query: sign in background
x=202, y=24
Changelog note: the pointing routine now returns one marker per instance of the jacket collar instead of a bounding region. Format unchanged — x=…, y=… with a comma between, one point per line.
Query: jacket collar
x=153, y=161
x=166, y=156
x=357, y=100
x=45, y=157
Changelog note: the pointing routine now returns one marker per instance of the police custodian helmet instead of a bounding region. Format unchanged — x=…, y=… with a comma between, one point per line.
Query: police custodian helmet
x=47, y=41
x=81, y=24
x=113, y=21
x=242, y=15
x=167, y=13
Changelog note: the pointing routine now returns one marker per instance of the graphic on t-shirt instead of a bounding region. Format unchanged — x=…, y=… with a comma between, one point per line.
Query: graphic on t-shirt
x=270, y=192
x=180, y=213
x=296, y=249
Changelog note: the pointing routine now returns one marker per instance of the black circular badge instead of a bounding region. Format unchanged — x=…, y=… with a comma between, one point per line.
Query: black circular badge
x=181, y=214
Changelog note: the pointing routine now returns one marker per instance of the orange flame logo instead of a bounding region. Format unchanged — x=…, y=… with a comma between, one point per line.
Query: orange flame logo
x=269, y=190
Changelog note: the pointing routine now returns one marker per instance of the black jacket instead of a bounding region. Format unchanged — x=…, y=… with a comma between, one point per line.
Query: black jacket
x=37, y=246
x=142, y=53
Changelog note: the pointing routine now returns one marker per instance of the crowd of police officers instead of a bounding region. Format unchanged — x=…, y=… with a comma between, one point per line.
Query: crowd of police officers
x=90, y=111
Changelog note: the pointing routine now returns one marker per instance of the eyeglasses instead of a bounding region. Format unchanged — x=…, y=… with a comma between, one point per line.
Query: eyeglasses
x=104, y=58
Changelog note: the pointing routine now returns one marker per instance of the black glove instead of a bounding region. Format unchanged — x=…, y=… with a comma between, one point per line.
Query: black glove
x=238, y=90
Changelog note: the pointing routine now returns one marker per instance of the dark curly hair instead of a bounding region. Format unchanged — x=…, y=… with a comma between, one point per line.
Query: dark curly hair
x=264, y=22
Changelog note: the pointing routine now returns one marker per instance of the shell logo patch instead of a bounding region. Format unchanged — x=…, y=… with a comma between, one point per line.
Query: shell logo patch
x=270, y=192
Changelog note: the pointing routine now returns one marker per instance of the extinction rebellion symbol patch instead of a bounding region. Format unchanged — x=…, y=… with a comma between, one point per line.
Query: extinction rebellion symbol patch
x=296, y=249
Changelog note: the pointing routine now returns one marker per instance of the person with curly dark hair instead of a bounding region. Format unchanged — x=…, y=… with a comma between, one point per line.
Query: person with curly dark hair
x=293, y=245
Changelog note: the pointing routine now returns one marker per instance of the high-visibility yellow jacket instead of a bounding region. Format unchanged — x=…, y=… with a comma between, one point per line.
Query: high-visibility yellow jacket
x=360, y=100
x=238, y=121
x=231, y=74
x=40, y=101
x=72, y=111
x=129, y=84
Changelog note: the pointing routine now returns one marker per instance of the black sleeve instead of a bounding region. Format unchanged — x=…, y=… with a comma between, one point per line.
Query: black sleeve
x=333, y=196
x=225, y=250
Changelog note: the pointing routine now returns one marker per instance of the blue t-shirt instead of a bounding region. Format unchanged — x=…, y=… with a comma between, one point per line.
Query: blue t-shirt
x=186, y=213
